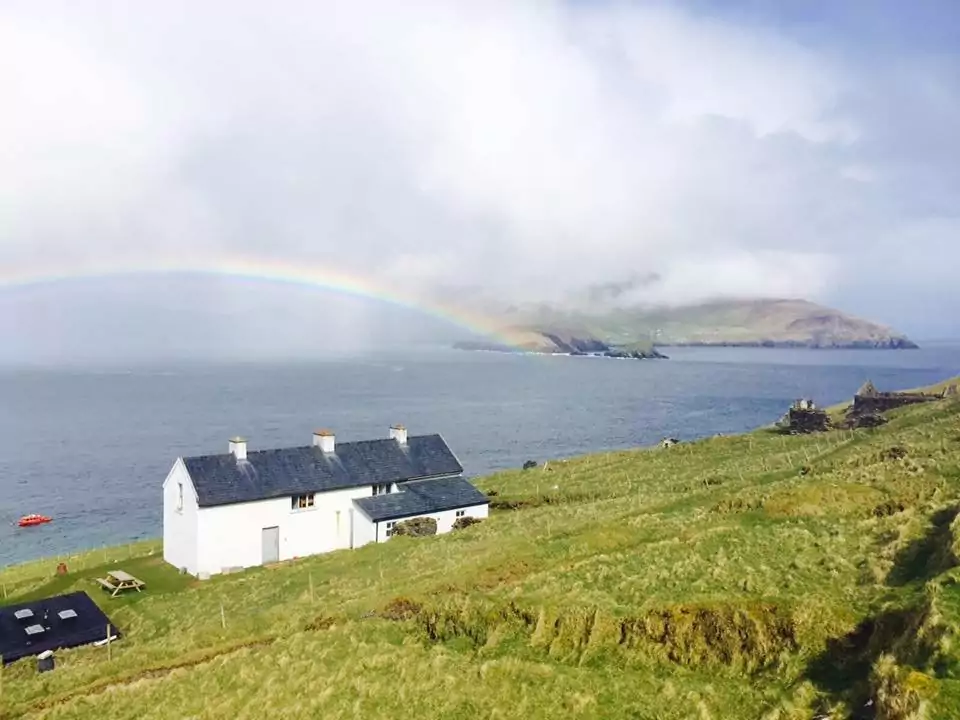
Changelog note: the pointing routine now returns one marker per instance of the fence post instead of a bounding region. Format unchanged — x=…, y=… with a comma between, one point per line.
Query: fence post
x=109, y=649
x=223, y=618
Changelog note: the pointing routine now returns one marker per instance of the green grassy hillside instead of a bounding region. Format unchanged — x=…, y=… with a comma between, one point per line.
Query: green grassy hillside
x=752, y=577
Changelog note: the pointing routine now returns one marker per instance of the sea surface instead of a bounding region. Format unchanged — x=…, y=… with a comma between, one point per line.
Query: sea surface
x=91, y=447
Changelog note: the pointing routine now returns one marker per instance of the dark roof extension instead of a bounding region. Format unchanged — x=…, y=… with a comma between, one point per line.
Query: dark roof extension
x=426, y=496
x=265, y=474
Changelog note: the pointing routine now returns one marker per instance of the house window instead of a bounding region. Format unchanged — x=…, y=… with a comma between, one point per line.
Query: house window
x=301, y=502
x=390, y=528
x=382, y=489
x=179, y=496
x=461, y=513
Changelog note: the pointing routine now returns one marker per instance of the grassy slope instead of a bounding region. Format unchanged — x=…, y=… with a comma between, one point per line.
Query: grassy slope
x=751, y=321
x=709, y=580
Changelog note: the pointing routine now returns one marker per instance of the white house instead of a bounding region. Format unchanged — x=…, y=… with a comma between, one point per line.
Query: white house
x=244, y=508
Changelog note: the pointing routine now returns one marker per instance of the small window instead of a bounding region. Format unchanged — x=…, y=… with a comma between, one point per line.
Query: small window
x=179, y=496
x=461, y=513
x=390, y=528
x=382, y=489
x=301, y=502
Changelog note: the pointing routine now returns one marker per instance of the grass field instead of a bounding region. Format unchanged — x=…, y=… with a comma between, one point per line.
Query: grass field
x=756, y=576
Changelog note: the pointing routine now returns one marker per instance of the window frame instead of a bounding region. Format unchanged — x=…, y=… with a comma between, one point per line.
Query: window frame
x=179, y=496
x=461, y=513
x=304, y=501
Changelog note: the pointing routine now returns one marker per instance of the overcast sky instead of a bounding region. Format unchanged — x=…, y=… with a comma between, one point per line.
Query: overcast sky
x=531, y=148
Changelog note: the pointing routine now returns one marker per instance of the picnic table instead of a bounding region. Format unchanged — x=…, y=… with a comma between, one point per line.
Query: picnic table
x=117, y=581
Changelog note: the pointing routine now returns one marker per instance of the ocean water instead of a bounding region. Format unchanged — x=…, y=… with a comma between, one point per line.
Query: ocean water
x=91, y=447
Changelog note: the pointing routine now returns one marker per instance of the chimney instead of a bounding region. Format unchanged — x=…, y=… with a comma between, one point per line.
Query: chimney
x=398, y=433
x=238, y=448
x=325, y=440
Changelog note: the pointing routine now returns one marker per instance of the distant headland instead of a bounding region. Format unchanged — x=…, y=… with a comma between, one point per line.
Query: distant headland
x=638, y=331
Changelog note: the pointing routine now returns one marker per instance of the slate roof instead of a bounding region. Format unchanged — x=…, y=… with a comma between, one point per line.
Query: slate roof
x=265, y=474
x=417, y=498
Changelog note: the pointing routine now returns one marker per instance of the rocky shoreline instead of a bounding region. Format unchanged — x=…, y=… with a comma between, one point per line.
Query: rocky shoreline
x=592, y=348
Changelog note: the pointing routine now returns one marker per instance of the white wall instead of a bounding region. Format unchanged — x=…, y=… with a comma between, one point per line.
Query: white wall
x=445, y=519
x=231, y=535
x=364, y=529
x=180, y=526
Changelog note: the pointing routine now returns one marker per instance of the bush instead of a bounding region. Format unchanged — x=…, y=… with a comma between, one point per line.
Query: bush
x=898, y=693
x=465, y=522
x=416, y=527
x=401, y=608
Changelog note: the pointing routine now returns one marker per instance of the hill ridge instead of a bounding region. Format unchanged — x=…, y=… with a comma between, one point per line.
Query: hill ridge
x=769, y=322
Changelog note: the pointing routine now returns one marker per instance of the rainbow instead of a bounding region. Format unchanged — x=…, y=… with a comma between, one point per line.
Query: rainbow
x=274, y=271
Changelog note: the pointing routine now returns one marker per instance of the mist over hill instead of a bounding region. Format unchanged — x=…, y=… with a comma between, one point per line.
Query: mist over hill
x=730, y=322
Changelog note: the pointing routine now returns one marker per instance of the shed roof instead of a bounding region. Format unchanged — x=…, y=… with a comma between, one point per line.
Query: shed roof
x=418, y=498
x=87, y=625
x=265, y=474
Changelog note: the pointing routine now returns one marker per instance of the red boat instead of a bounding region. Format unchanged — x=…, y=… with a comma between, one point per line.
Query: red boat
x=28, y=520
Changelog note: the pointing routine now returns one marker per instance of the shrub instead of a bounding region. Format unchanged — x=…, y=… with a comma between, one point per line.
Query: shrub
x=897, y=452
x=416, y=527
x=401, y=608
x=465, y=522
x=889, y=507
x=898, y=693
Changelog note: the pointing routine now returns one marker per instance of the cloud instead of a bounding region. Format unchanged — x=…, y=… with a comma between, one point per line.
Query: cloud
x=531, y=149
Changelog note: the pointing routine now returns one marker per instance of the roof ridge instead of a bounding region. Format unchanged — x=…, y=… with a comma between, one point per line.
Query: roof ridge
x=315, y=448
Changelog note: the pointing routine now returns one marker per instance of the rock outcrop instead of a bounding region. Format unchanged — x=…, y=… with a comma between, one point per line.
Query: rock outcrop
x=561, y=343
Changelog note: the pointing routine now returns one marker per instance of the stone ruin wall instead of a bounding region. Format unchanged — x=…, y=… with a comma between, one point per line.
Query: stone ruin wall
x=867, y=405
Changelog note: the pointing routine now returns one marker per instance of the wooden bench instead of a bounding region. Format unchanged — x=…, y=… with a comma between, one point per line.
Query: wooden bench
x=107, y=584
x=117, y=581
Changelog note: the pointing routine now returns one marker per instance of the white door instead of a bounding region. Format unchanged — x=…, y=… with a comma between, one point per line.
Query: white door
x=271, y=545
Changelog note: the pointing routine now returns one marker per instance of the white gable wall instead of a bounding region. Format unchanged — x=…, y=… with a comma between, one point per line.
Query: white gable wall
x=232, y=535
x=180, y=523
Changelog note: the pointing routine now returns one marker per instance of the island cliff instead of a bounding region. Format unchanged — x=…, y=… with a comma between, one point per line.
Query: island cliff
x=728, y=323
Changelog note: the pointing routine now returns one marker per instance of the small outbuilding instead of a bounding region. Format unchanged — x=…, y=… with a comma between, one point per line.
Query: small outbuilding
x=804, y=417
x=61, y=621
